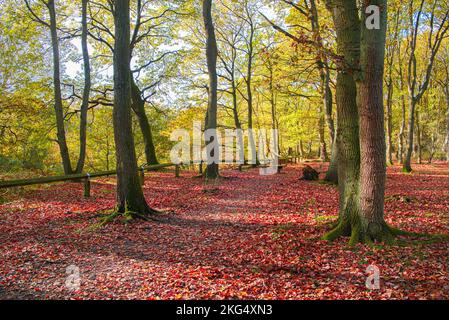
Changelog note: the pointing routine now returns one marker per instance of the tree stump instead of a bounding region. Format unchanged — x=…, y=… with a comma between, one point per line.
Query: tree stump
x=310, y=174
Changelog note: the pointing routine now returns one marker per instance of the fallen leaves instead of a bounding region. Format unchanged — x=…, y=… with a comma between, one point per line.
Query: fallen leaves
x=255, y=237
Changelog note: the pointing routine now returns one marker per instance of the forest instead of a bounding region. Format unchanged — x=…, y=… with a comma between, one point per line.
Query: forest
x=138, y=138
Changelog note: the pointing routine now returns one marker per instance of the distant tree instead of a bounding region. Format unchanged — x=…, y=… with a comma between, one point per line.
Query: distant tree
x=418, y=82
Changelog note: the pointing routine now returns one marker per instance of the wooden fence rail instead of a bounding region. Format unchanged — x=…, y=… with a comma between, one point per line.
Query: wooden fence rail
x=86, y=177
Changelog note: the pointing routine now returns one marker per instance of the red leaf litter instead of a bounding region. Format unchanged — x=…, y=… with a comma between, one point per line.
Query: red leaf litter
x=256, y=237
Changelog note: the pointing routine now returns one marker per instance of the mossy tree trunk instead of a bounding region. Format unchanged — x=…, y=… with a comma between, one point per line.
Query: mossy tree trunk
x=347, y=25
x=362, y=150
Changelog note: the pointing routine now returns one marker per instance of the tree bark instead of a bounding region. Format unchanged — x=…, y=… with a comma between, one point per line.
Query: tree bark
x=58, y=106
x=212, y=170
x=418, y=137
x=86, y=92
x=249, y=76
x=389, y=114
x=138, y=106
x=410, y=142
x=446, y=141
x=372, y=132
x=130, y=198
x=332, y=171
x=347, y=26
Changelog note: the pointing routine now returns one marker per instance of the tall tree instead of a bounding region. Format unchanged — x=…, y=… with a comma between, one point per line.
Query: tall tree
x=130, y=198
x=309, y=10
x=58, y=104
x=391, y=51
x=438, y=28
x=87, y=88
x=347, y=27
x=372, y=226
x=212, y=171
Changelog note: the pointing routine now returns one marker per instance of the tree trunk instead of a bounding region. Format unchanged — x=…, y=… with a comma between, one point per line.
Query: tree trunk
x=212, y=170
x=347, y=26
x=249, y=76
x=323, y=146
x=86, y=92
x=138, y=106
x=418, y=137
x=446, y=141
x=411, y=132
x=390, y=119
x=332, y=171
x=58, y=106
x=130, y=198
x=403, y=112
x=372, y=133
x=237, y=123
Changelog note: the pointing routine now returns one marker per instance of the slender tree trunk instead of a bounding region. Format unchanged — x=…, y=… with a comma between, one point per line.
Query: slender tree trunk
x=403, y=113
x=237, y=123
x=410, y=143
x=212, y=170
x=58, y=106
x=301, y=149
x=332, y=171
x=323, y=145
x=446, y=141
x=249, y=76
x=130, y=198
x=86, y=92
x=390, y=119
x=138, y=106
x=418, y=137
x=325, y=112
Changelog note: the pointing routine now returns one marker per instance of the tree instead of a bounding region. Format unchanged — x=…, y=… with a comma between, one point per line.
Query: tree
x=309, y=10
x=347, y=27
x=372, y=226
x=87, y=87
x=58, y=104
x=212, y=171
x=130, y=198
x=438, y=27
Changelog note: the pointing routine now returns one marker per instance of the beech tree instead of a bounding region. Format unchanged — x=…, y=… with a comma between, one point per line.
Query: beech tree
x=58, y=102
x=212, y=171
x=130, y=198
x=418, y=82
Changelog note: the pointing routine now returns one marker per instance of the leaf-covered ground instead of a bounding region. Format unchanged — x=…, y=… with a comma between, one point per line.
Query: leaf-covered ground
x=256, y=237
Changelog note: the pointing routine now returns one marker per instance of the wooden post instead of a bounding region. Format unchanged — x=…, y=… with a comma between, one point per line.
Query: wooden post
x=240, y=167
x=87, y=187
x=142, y=176
x=177, y=169
x=201, y=167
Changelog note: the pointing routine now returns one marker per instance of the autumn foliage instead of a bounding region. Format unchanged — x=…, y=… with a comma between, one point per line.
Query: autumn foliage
x=257, y=237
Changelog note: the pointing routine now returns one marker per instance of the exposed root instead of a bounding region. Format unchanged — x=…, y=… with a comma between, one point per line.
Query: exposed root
x=379, y=233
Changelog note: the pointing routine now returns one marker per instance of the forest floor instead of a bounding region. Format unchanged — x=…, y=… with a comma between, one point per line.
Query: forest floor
x=254, y=237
